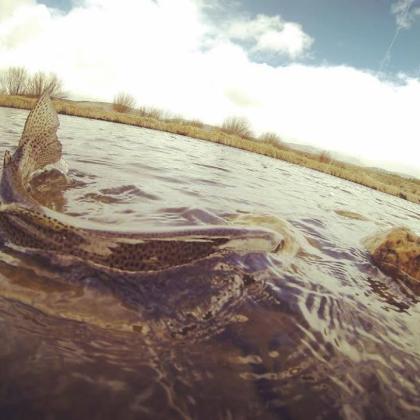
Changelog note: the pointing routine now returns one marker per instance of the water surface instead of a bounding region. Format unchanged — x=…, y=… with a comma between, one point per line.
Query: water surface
x=320, y=332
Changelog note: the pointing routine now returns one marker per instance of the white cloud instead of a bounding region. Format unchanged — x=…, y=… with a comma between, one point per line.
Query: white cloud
x=271, y=34
x=159, y=52
x=20, y=21
x=9, y=7
x=405, y=14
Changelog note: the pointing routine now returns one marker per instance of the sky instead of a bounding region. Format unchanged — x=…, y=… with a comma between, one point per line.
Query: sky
x=341, y=75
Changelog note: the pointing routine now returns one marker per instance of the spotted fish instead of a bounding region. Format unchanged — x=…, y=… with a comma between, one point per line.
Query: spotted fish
x=24, y=223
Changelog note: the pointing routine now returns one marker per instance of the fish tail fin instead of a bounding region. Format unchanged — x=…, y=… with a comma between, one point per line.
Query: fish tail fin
x=39, y=145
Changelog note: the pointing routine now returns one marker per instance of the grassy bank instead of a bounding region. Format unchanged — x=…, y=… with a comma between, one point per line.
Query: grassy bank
x=408, y=189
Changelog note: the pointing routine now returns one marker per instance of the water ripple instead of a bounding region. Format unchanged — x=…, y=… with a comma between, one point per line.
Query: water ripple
x=312, y=329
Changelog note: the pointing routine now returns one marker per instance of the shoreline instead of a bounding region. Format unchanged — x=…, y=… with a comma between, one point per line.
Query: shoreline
x=387, y=182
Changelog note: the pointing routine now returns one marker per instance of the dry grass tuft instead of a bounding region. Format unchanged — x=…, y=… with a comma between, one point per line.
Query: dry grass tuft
x=123, y=102
x=270, y=138
x=237, y=126
x=325, y=157
x=150, y=112
x=196, y=123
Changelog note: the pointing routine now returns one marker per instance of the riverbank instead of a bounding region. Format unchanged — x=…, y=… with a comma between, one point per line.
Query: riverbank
x=407, y=188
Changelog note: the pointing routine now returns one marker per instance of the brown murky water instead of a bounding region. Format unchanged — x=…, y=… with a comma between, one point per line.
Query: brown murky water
x=313, y=330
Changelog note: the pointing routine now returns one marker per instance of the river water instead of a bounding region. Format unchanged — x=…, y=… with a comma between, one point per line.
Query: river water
x=319, y=332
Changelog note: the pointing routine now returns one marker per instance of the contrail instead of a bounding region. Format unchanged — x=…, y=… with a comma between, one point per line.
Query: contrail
x=387, y=56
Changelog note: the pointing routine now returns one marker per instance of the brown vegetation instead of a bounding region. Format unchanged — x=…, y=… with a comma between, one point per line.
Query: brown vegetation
x=237, y=126
x=41, y=82
x=123, y=102
x=325, y=157
x=271, y=138
x=150, y=112
x=380, y=180
x=14, y=81
x=18, y=81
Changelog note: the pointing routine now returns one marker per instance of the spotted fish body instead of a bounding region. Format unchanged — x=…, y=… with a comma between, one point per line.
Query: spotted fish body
x=26, y=224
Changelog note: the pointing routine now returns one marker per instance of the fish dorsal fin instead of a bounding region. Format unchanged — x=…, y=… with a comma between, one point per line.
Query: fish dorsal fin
x=39, y=145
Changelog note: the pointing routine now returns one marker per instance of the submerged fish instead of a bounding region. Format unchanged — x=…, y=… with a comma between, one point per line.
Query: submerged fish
x=25, y=223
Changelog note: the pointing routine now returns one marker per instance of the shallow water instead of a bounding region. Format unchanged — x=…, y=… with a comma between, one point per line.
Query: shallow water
x=319, y=332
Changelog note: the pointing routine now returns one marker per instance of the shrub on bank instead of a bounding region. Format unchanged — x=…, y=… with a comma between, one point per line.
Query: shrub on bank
x=123, y=102
x=14, y=81
x=270, y=138
x=17, y=81
x=237, y=126
x=40, y=82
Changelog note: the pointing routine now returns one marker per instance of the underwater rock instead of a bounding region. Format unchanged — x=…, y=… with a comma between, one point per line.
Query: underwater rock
x=397, y=253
